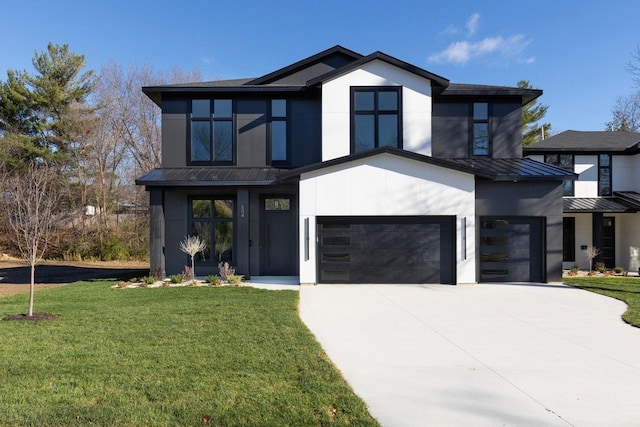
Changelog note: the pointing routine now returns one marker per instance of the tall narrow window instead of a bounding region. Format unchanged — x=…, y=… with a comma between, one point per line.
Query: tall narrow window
x=568, y=239
x=279, y=150
x=211, y=131
x=376, y=118
x=566, y=162
x=212, y=221
x=480, y=142
x=604, y=175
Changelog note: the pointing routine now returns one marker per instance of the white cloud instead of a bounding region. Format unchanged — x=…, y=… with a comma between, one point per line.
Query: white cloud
x=451, y=30
x=472, y=25
x=461, y=52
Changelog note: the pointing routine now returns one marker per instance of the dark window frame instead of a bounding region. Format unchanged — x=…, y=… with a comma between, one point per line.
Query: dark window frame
x=569, y=239
x=212, y=119
x=280, y=119
x=553, y=159
x=473, y=122
x=212, y=220
x=376, y=112
x=610, y=180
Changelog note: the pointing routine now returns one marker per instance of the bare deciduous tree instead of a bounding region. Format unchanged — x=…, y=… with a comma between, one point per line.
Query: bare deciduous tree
x=191, y=245
x=33, y=197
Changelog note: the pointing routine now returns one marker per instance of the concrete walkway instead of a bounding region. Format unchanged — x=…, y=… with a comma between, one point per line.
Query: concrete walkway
x=482, y=355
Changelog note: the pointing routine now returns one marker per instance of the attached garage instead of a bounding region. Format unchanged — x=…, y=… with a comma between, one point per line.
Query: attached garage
x=511, y=249
x=416, y=249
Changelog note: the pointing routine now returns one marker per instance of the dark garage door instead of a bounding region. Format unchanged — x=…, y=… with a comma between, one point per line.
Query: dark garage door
x=511, y=249
x=386, y=250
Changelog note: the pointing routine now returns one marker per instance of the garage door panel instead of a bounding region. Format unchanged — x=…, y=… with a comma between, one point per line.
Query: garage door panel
x=386, y=250
x=511, y=249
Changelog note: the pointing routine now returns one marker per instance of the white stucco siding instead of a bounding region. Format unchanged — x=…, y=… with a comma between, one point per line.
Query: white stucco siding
x=625, y=173
x=628, y=241
x=336, y=107
x=388, y=185
x=587, y=183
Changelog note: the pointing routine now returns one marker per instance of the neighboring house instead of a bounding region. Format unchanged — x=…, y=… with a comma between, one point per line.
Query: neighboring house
x=343, y=168
x=601, y=208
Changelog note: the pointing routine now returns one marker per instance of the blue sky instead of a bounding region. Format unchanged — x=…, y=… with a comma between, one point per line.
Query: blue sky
x=576, y=51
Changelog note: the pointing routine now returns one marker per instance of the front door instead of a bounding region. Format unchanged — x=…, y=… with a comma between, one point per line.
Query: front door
x=609, y=241
x=278, y=236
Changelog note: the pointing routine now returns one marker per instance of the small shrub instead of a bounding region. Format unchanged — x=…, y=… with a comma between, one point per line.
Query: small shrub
x=176, y=278
x=144, y=285
x=122, y=284
x=619, y=270
x=226, y=270
x=148, y=280
x=600, y=268
x=234, y=279
x=156, y=274
x=187, y=272
x=574, y=270
x=213, y=279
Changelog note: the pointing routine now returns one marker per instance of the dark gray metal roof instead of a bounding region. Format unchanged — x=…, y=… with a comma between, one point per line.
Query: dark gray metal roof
x=458, y=89
x=209, y=176
x=592, y=141
x=493, y=169
x=628, y=196
x=516, y=169
x=597, y=204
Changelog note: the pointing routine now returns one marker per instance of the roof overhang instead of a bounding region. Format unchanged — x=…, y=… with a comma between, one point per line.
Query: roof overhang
x=598, y=204
x=210, y=176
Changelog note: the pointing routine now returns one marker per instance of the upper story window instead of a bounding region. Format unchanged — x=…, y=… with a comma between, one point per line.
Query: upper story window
x=211, y=131
x=566, y=162
x=279, y=146
x=480, y=144
x=604, y=175
x=375, y=118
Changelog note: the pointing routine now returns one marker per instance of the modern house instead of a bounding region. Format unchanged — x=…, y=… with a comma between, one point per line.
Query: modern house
x=601, y=208
x=344, y=168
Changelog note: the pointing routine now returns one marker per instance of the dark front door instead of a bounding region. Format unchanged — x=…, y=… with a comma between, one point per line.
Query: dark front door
x=278, y=236
x=609, y=241
x=511, y=249
x=386, y=249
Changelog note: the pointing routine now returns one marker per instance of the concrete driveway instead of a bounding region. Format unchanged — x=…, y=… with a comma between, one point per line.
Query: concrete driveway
x=481, y=355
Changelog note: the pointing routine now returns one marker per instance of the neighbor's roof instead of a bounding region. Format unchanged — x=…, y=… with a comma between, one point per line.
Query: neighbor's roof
x=597, y=204
x=208, y=176
x=493, y=169
x=588, y=142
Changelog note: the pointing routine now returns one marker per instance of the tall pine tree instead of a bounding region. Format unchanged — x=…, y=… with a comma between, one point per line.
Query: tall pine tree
x=532, y=114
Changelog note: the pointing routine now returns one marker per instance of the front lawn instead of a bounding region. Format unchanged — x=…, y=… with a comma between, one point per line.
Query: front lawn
x=168, y=356
x=626, y=289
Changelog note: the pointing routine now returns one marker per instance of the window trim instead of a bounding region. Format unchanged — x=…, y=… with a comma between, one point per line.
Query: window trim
x=285, y=119
x=473, y=122
x=376, y=113
x=569, y=241
x=211, y=120
x=610, y=168
x=212, y=220
x=556, y=163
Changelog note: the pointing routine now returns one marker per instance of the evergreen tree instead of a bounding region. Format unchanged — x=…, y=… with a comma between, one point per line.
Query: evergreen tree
x=532, y=114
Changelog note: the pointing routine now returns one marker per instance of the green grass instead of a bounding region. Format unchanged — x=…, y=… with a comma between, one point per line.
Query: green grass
x=168, y=356
x=626, y=289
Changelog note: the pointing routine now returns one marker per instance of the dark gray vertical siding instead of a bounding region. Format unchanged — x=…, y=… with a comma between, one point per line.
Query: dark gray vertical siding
x=241, y=252
x=506, y=130
x=174, y=133
x=176, y=223
x=535, y=199
x=251, y=136
x=156, y=232
x=305, y=132
x=450, y=130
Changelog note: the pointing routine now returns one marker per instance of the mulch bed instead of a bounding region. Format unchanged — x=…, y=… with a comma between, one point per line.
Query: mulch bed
x=36, y=317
